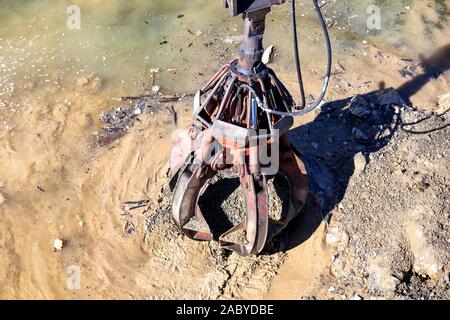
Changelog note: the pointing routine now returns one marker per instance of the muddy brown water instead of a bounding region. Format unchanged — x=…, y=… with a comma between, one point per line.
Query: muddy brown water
x=56, y=183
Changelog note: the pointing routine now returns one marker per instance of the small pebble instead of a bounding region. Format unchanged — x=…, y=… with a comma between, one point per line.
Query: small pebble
x=156, y=88
x=58, y=244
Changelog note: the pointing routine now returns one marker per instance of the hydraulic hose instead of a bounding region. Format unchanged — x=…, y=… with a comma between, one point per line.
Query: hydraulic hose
x=304, y=110
x=297, y=57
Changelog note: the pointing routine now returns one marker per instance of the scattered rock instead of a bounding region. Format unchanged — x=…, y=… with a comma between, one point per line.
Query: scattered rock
x=409, y=71
x=389, y=97
x=156, y=88
x=360, y=163
x=424, y=257
x=396, y=281
x=360, y=136
x=380, y=279
x=332, y=236
x=345, y=239
x=359, y=107
x=58, y=244
x=443, y=103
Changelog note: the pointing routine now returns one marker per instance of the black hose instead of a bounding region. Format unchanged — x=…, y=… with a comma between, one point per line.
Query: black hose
x=326, y=80
x=296, y=56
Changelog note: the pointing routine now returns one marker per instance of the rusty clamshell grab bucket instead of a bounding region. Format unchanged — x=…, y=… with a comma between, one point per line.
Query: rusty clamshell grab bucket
x=242, y=112
x=228, y=130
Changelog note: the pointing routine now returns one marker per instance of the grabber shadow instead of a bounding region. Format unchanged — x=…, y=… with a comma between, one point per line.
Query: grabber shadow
x=328, y=146
x=434, y=66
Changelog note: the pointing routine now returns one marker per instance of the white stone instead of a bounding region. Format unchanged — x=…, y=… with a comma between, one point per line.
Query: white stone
x=425, y=262
x=360, y=163
x=58, y=244
x=380, y=278
x=332, y=236
x=156, y=88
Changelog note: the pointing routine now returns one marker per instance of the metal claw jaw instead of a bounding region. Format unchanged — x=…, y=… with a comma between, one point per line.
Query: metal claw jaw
x=193, y=174
x=186, y=212
x=249, y=237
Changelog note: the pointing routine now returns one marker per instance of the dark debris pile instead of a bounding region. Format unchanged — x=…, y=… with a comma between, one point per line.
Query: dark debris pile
x=118, y=121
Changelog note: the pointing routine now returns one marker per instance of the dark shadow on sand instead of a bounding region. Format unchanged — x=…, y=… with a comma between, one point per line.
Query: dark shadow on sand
x=434, y=66
x=328, y=146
